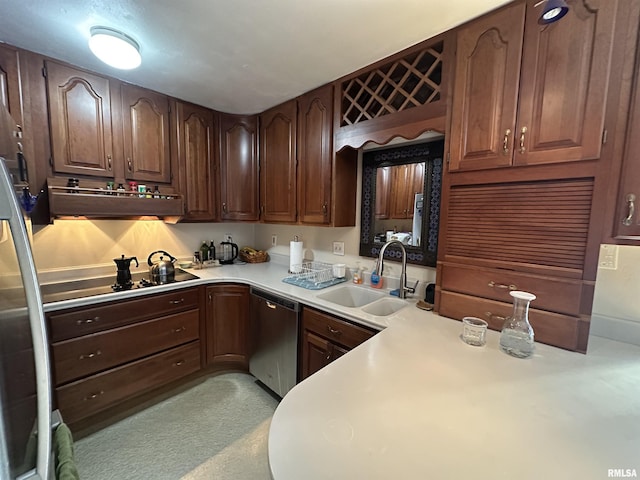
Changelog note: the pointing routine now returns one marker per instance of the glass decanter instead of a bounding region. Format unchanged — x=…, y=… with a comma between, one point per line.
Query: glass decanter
x=516, y=338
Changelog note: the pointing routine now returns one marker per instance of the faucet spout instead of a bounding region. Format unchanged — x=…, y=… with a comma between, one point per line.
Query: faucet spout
x=402, y=291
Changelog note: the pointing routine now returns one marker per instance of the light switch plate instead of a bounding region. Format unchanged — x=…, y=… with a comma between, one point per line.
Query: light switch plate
x=274, y=240
x=608, y=257
x=338, y=248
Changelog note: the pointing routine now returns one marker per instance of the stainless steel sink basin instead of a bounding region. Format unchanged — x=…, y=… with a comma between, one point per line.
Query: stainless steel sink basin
x=384, y=307
x=351, y=296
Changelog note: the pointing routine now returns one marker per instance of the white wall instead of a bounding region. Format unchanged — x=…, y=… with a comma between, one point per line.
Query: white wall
x=616, y=306
x=73, y=244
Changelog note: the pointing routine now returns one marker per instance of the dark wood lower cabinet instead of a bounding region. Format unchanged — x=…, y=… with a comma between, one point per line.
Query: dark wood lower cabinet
x=106, y=354
x=326, y=338
x=227, y=325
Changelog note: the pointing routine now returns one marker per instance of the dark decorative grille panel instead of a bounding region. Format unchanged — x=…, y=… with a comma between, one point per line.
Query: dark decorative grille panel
x=406, y=83
x=541, y=223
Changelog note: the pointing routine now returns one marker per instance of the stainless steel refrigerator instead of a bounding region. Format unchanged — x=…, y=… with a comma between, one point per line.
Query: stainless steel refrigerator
x=25, y=387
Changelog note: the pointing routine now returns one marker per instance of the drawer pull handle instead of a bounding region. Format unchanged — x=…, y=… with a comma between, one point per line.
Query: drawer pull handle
x=628, y=220
x=523, y=133
x=492, y=316
x=87, y=321
x=271, y=305
x=93, y=396
x=176, y=302
x=179, y=329
x=129, y=164
x=493, y=284
x=90, y=355
x=179, y=363
x=505, y=142
x=334, y=331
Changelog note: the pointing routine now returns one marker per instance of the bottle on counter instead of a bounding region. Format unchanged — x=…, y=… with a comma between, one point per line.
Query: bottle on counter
x=204, y=251
x=120, y=190
x=156, y=191
x=516, y=337
x=212, y=251
x=197, y=261
x=376, y=279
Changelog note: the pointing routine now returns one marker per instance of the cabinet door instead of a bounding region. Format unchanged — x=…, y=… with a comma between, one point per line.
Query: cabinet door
x=80, y=121
x=10, y=82
x=383, y=192
x=315, y=156
x=227, y=324
x=146, y=135
x=564, y=83
x=197, y=160
x=317, y=353
x=402, y=182
x=239, y=168
x=485, y=94
x=278, y=163
x=627, y=216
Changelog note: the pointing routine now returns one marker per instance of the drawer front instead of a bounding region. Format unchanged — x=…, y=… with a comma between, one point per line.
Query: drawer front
x=86, y=355
x=551, y=328
x=82, y=321
x=339, y=331
x=85, y=397
x=552, y=293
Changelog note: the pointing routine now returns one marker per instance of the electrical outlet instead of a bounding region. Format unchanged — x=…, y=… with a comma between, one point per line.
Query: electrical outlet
x=608, y=257
x=227, y=237
x=338, y=248
x=274, y=240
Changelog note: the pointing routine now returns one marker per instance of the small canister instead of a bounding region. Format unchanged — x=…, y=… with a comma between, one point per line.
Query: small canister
x=142, y=190
x=110, y=188
x=133, y=187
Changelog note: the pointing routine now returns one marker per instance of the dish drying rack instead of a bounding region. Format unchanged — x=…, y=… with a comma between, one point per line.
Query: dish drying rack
x=313, y=276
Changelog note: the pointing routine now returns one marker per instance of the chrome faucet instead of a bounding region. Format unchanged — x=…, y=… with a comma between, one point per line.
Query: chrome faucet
x=402, y=291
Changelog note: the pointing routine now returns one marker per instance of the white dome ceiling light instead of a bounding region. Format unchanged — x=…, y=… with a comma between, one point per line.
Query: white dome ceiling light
x=115, y=48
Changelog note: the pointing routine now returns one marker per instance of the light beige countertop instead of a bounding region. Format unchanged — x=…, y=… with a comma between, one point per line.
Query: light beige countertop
x=415, y=402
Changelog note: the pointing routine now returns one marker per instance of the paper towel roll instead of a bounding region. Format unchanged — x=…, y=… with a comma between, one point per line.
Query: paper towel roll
x=295, y=257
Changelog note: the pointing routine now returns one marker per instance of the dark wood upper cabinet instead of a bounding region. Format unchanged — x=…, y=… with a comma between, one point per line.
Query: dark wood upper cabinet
x=80, y=121
x=315, y=156
x=530, y=94
x=383, y=192
x=10, y=82
x=197, y=158
x=278, y=163
x=239, y=167
x=145, y=122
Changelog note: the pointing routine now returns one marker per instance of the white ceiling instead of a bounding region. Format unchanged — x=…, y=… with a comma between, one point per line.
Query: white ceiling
x=236, y=56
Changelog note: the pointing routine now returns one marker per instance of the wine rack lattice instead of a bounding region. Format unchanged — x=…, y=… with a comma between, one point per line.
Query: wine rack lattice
x=408, y=82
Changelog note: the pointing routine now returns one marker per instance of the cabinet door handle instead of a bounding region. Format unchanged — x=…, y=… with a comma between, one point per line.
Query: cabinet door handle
x=495, y=316
x=224, y=207
x=92, y=396
x=179, y=363
x=324, y=209
x=90, y=355
x=87, y=320
x=178, y=330
x=631, y=201
x=176, y=302
x=505, y=142
x=109, y=162
x=334, y=331
x=523, y=133
x=493, y=284
x=129, y=164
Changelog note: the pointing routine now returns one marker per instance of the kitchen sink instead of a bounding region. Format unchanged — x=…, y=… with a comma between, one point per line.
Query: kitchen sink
x=384, y=307
x=351, y=296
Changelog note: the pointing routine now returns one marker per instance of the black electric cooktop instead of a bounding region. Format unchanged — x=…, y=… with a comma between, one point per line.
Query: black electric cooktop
x=56, y=292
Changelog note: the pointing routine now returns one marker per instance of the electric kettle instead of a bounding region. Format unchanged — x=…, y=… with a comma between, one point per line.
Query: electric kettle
x=229, y=252
x=162, y=271
x=123, y=277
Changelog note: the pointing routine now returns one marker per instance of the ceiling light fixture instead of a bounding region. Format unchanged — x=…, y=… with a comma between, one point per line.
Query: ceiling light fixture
x=552, y=11
x=115, y=48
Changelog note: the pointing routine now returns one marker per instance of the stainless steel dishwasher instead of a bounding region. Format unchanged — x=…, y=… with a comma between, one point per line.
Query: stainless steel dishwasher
x=274, y=340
